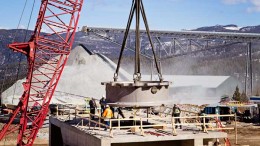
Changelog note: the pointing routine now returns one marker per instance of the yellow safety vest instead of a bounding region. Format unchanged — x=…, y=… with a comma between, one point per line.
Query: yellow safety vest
x=108, y=113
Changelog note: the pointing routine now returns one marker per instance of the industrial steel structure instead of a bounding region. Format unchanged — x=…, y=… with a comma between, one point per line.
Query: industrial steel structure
x=244, y=37
x=183, y=43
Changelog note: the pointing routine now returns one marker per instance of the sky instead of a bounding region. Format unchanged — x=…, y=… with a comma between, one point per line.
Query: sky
x=161, y=14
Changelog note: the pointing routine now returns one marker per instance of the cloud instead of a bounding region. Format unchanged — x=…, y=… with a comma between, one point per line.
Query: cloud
x=21, y=27
x=233, y=2
x=255, y=4
x=46, y=29
x=255, y=7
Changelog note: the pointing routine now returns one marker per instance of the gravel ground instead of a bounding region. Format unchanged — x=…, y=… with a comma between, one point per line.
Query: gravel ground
x=248, y=135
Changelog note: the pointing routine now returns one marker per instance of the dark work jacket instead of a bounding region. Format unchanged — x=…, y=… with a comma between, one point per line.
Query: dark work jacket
x=92, y=104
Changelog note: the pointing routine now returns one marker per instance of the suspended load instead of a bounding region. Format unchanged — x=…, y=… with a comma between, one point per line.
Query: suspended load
x=137, y=93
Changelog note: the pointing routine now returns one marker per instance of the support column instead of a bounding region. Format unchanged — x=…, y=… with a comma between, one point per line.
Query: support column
x=198, y=142
x=250, y=68
x=190, y=45
x=55, y=136
x=247, y=64
x=174, y=46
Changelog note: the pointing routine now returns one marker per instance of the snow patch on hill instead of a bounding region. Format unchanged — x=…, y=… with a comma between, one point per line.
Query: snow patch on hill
x=236, y=28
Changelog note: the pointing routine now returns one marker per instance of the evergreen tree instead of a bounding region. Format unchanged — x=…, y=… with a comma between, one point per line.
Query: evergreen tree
x=244, y=97
x=236, y=95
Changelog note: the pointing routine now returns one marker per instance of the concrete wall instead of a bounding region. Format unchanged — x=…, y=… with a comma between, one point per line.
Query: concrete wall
x=55, y=135
x=71, y=136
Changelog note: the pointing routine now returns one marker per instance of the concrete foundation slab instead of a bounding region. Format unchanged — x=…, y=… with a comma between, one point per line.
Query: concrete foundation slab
x=67, y=134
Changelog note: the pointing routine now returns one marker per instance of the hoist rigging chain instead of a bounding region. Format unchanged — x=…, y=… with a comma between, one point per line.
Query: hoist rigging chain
x=137, y=7
x=117, y=43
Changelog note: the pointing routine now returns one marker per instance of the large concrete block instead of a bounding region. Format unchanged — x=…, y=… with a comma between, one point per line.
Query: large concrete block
x=137, y=94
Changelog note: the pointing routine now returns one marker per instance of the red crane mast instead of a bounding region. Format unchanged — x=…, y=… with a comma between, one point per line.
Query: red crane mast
x=47, y=52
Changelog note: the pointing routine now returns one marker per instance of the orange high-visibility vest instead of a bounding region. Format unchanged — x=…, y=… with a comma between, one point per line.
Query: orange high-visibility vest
x=108, y=113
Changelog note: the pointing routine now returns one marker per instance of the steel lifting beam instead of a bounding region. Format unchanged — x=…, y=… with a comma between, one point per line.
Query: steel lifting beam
x=47, y=53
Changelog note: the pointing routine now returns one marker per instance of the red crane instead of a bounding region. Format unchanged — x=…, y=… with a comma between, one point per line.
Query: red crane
x=47, y=52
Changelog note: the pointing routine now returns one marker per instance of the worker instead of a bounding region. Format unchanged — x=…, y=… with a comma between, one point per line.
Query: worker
x=120, y=112
x=86, y=103
x=162, y=109
x=176, y=112
x=93, y=106
x=108, y=114
x=202, y=113
x=102, y=103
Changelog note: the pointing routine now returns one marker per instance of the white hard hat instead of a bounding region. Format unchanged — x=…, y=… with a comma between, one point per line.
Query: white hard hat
x=103, y=96
x=107, y=105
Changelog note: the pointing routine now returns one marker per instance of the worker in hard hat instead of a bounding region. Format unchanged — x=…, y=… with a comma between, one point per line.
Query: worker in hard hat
x=176, y=112
x=108, y=114
x=102, y=103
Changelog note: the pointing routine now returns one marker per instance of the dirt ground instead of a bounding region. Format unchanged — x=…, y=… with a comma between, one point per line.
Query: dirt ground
x=248, y=134
x=10, y=140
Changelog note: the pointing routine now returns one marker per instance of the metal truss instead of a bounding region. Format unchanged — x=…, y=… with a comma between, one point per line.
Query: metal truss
x=243, y=37
x=176, y=44
x=47, y=52
x=172, y=44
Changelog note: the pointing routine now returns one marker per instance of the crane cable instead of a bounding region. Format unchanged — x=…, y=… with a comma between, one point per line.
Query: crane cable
x=14, y=37
x=20, y=57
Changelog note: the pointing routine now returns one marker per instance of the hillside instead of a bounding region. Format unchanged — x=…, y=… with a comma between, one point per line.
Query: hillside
x=228, y=60
x=230, y=28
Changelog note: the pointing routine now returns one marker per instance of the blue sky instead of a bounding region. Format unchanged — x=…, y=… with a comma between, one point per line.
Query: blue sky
x=161, y=14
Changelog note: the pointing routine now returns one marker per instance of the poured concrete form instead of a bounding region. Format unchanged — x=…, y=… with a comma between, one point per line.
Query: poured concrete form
x=66, y=134
x=137, y=94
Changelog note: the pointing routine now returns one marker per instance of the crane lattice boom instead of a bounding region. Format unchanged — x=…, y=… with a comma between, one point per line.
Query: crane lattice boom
x=47, y=53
